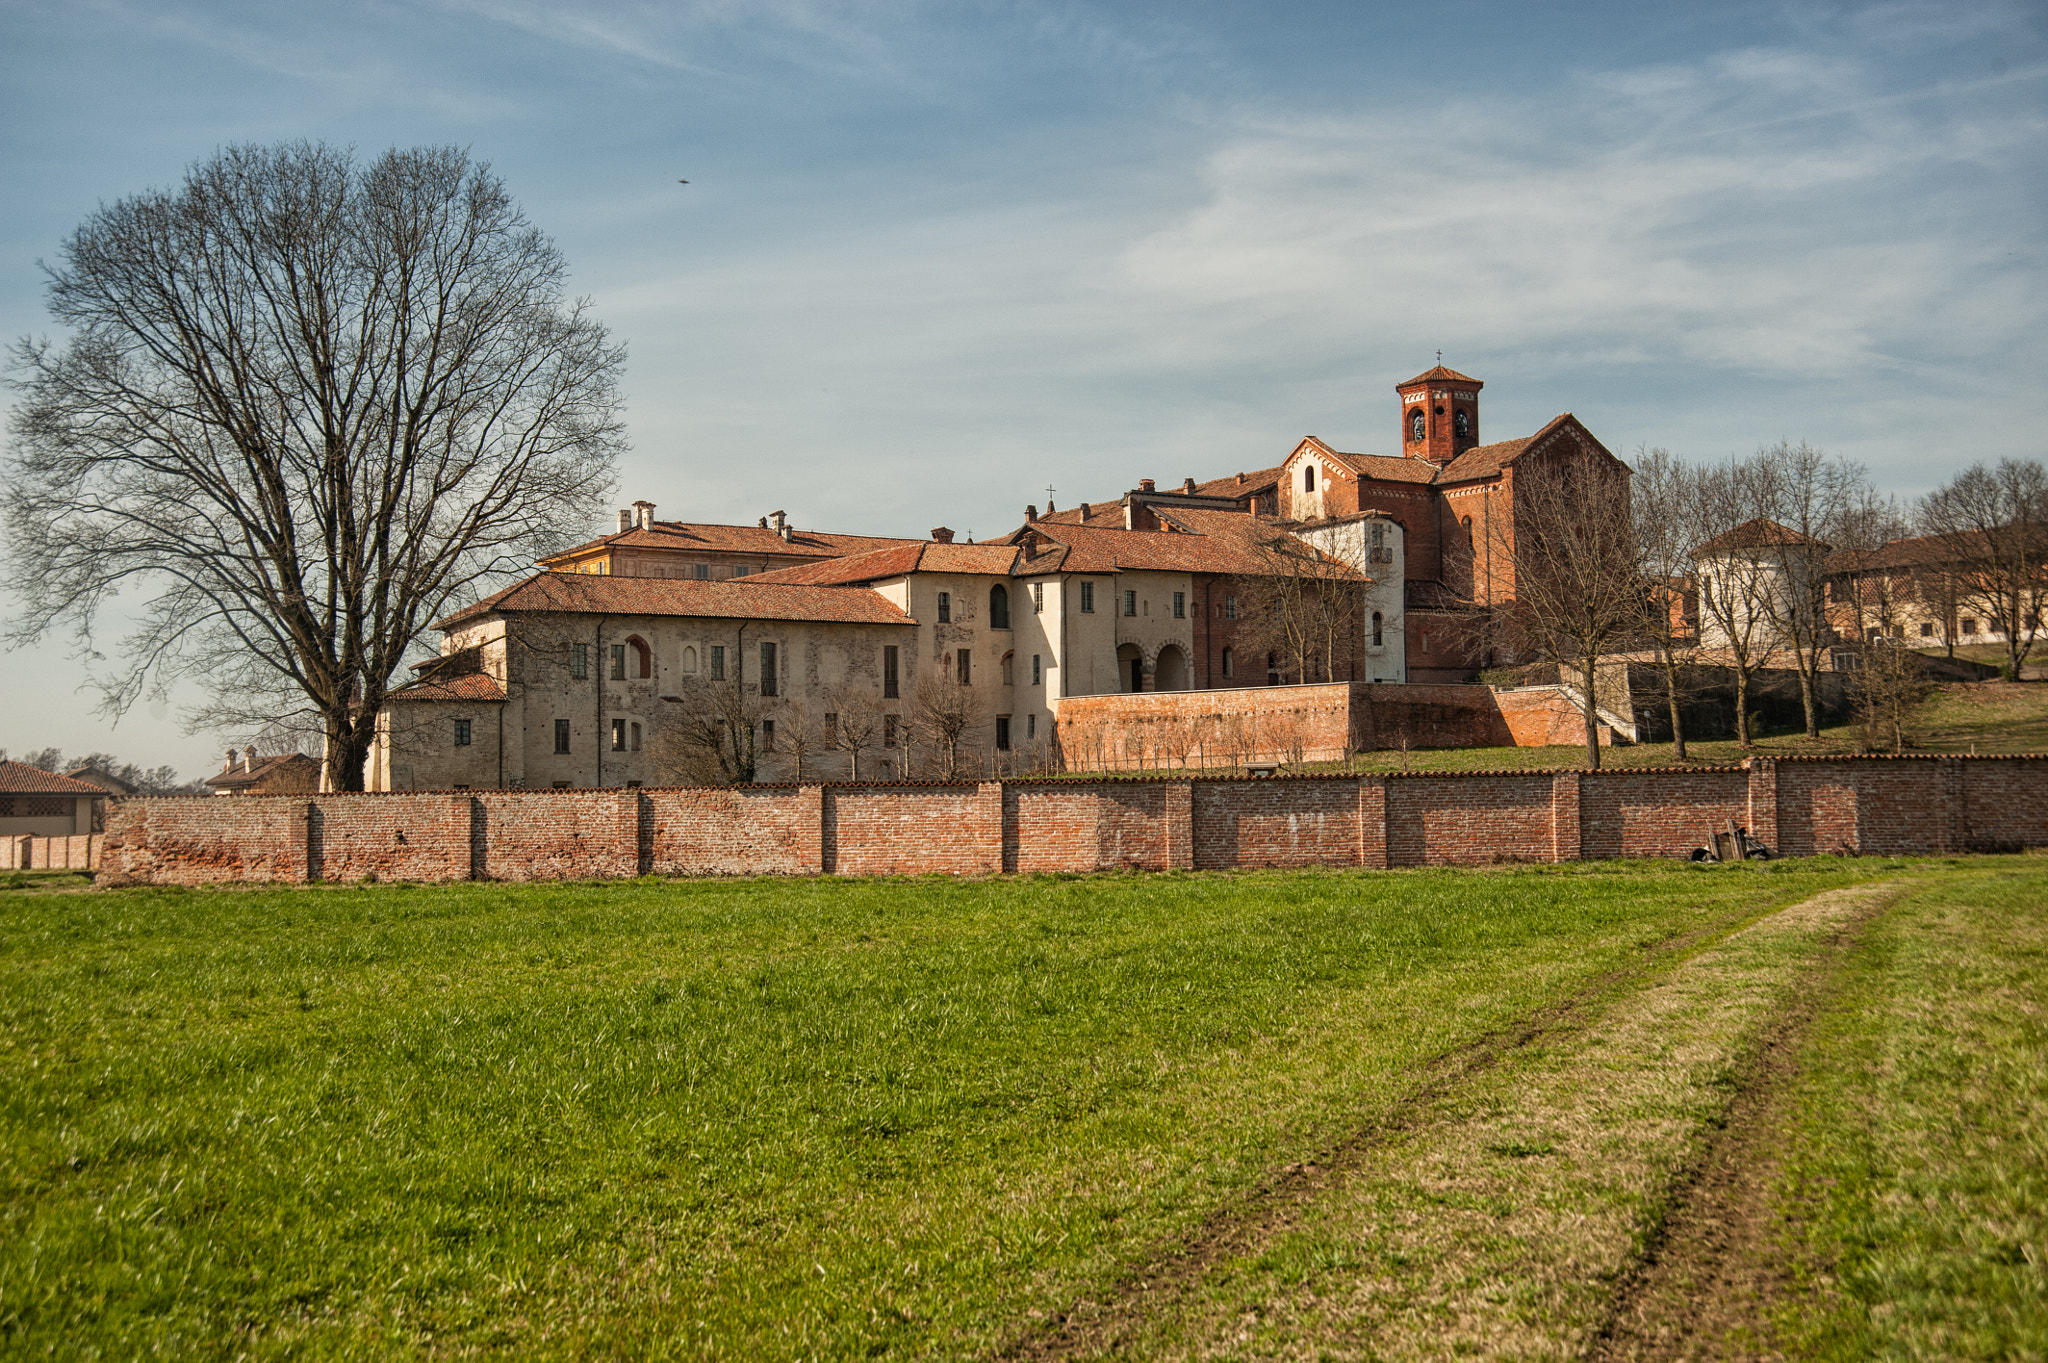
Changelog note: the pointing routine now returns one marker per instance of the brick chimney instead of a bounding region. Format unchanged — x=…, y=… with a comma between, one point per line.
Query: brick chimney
x=776, y=520
x=1146, y=485
x=941, y=535
x=1188, y=486
x=228, y=765
x=1030, y=512
x=625, y=520
x=249, y=758
x=643, y=515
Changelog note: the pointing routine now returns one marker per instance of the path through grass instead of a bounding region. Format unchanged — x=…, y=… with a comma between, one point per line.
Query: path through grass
x=740, y=1119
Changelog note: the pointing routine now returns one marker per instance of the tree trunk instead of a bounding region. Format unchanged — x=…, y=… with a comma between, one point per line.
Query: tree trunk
x=1587, y=666
x=348, y=753
x=1671, y=698
x=1743, y=737
x=1806, y=695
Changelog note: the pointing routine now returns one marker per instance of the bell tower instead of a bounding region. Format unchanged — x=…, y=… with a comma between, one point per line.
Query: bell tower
x=1439, y=414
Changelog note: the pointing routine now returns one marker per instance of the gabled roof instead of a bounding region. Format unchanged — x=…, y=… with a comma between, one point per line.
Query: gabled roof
x=745, y=598
x=1759, y=533
x=19, y=778
x=1386, y=468
x=471, y=686
x=683, y=537
x=1438, y=375
x=990, y=560
x=1487, y=461
x=1110, y=514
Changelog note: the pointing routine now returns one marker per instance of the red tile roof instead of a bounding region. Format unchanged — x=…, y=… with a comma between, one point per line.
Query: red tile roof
x=1210, y=542
x=1387, y=468
x=473, y=686
x=683, y=537
x=1110, y=514
x=746, y=598
x=19, y=778
x=990, y=560
x=264, y=768
x=1439, y=375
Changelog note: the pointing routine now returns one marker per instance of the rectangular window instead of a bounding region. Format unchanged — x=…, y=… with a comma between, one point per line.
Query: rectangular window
x=1969, y=625
x=1037, y=672
x=889, y=684
x=618, y=662
x=1230, y=608
x=1003, y=732
x=741, y=570
x=579, y=661
x=700, y=570
x=461, y=733
x=1180, y=605
x=1031, y=726
x=636, y=737
x=767, y=735
x=832, y=731
x=1130, y=603
x=1037, y=598
x=945, y=608
x=561, y=735
x=618, y=735
x=1927, y=631
x=966, y=665
x=717, y=662
x=768, y=670
x=888, y=731
x=1088, y=598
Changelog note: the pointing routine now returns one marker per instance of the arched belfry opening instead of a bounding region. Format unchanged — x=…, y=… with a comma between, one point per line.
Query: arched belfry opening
x=1439, y=414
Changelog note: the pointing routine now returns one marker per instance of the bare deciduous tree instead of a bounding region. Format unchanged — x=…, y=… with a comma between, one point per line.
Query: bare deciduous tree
x=1304, y=607
x=1996, y=519
x=941, y=714
x=707, y=737
x=308, y=405
x=857, y=722
x=1578, y=587
x=1889, y=683
x=1665, y=505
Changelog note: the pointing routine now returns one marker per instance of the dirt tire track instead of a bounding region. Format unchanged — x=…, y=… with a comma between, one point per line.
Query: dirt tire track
x=1273, y=1204
x=1711, y=1269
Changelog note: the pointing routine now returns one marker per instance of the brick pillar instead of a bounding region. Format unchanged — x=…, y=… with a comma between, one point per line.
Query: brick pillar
x=988, y=826
x=1953, y=833
x=1180, y=825
x=1372, y=823
x=819, y=816
x=1763, y=802
x=1564, y=816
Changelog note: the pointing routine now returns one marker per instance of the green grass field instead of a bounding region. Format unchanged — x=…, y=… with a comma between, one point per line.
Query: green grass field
x=789, y=1119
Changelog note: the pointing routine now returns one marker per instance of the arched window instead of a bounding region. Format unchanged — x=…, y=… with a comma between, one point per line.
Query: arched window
x=1462, y=423
x=998, y=607
x=1229, y=664
x=1418, y=424
x=1377, y=641
x=1467, y=523
x=1308, y=479
x=689, y=659
x=643, y=656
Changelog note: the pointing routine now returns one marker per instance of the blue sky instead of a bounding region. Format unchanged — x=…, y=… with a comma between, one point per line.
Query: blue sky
x=934, y=257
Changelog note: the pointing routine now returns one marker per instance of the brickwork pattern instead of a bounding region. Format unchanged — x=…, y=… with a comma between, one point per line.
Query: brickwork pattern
x=1799, y=807
x=28, y=852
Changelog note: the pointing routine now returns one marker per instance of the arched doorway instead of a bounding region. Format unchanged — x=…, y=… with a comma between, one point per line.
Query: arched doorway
x=1170, y=673
x=1130, y=667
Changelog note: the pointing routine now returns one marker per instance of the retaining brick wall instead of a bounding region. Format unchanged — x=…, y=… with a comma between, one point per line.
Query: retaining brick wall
x=1798, y=807
x=28, y=852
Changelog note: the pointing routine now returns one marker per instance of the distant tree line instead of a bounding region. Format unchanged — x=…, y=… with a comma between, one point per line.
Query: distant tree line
x=162, y=780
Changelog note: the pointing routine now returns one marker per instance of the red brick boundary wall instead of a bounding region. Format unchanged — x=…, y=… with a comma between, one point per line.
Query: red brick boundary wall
x=1799, y=807
x=1150, y=730
x=26, y=852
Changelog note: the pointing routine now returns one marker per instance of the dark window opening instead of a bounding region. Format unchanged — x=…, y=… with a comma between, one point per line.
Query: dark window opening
x=768, y=735
x=998, y=607
x=703, y=570
x=618, y=662
x=1130, y=603
x=1308, y=479
x=1030, y=726
x=1228, y=664
x=1037, y=672
x=1037, y=598
x=1418, y=424
x=965, y=663
x=768, y=670
x=717, y=662
x=945, y=608
x=462, y=733
x=1927, y=631
x=888, y=731
x=618, y=735
x=561, y=735
x=1377, y=640
x=1003, y=732
x=579, y=661
x=636, y=736
x=1462, y=423
x=1088, y=598
x=889, y=683
x=1180, y=605
x=1230, y=608
x=643, y=656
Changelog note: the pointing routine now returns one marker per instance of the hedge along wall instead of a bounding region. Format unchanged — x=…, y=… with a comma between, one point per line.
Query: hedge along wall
x=1799, y=807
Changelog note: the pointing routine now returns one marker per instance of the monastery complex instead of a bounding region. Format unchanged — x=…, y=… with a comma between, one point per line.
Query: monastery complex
x=578, y=675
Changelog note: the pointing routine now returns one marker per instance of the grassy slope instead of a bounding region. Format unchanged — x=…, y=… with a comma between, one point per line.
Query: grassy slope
x=1916, y=1190
x=751, y=1118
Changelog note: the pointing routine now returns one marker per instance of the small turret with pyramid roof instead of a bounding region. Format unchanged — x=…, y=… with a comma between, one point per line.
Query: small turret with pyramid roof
x=1439, y=414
